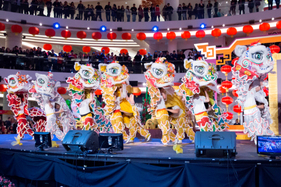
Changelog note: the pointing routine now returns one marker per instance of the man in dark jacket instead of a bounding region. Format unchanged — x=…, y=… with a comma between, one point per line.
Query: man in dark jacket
x=107, y=11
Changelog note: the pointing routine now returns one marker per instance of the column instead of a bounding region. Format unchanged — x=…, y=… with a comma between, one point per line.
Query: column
x=12, y=39
x=174, y=4
x=172, y=46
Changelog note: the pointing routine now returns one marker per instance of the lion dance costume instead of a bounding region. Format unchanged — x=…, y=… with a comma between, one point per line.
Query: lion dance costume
x=82, y=88
x=114, y=85
x=17, y=87
x=45, y=92
x=160, y=76
x=249, y=71
x=201, y=77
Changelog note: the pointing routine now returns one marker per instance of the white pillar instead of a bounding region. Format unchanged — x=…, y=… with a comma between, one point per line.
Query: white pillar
x=174, y=4
x=13, y=39
x=172, y=46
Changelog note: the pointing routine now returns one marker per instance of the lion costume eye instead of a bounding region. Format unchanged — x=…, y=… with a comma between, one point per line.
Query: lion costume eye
x=86, y=73
x=12, y=82
x=41, y=81
x=258, y=56
x=158, y=72
x=113, y=71
x=199, y=69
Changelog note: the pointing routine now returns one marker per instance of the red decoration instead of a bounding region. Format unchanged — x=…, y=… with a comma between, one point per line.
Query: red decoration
x=16, y=29
x=185, y=35
x=142, y=52
x=96, y=35
x=141, y=36
x=81, y=34
x=228, y=115
x=231, y=31
x=67, y=48
x=62, y=90
x=264, y=27
x=227, y=100
x=265, y=91
x=3, y=87
x=177, y=83
x=98, y=92
x=226, y=84
x=234, y=92
x=234, y=60
x=105, y=49
x=126, y=36
x=216, y=33
x=86, y=49
x=222, y=90
x=65, y=33
x=171, y=36
x=47, y=47
x=200, y=34
x=226, y=69
x=248, y=29
x=137, y=94
x=50, y=33
x=125, y=51
x=237, y=109
x=158, y=36
x=33, y=30
x=274, y=49
x=278, y=25
x=111, y=36
x=2, y=26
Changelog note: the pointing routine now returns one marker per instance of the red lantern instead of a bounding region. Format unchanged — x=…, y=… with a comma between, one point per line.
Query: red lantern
x=264, y=27
x=248, y=29
x=16, y=29
x=226, y=69
x=278, y=25
x=228, y=115
x=200, y=34
x=216, y=33
x=142, y=52
x=33, y=30
x=171, y=36
x=274, y=49
x=222, y=90
x=86, y=49
x=234, y=93
x=126, y=36
x=226, y=84
x=111, y=36
x=237, y=109
x=141, y=36
x=227, y=100
x=65, y=33
x=47, y=47
x=96, y=35
x=67, y=48
x=98, y=92
x=62, y=90
x=231, y=31
x=50, y=33
x=124, y=51
x=265, y=91
x=185, y=35
x=106, y=50
x=137, y=94
x=3, y=87
x=2, y=26
x=81, y=34
x=158, y=36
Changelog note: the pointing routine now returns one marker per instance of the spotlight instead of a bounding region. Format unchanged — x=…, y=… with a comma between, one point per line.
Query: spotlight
x=40, y=24
x=260, y=20
x=66, y=27
x=7, y=20
x=132, y=30
x=110, y=30
x=168, y=29
x=88, y=28
x=155, y=28
x=180, y=28
x=202, y=25
x=272, y=19
x=103, y=28
x=56, y=25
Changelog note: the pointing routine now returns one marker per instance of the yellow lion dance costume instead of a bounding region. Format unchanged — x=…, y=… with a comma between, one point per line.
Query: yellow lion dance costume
x=167, y=107
x=119, y=107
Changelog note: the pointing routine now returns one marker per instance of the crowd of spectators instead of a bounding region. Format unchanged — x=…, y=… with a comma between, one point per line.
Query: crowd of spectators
x=120, y=12
x=9, y=126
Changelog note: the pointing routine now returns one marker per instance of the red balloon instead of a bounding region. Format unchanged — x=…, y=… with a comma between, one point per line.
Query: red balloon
x=237, y=109
x=142, y=52
x=3, y=87
x=111, y=36
x=50, y=32
x=274, y=49
x=278, y=25
x=125, y=51
x=16, y=29
x=228, y=115
x=248, y=29
x=227, y=100
x=264, y=27
x=234, y=92
x=216, y=33
x=141, y=36
x=67, y=48
x=226, y=69
x=226, y=84
x=200, y=34
x=171, y=35
x=86, y=49
x=47, y=47
x=96, y=35
x=231, y=31
x=98, y=92
x=81, y=34
x=33, y=30
x=126, y=36
x=105, y=49
x=158, y=36
x=185, y=35
x=66, y=34
x=2, y=26
x=62, y=90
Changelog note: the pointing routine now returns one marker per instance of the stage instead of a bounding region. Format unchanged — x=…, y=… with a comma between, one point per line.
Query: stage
x=140, y=163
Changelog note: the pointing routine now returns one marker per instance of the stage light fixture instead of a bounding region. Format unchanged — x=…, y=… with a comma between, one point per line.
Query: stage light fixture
x=202, y=25
x=272, y=19
x=56, y=25
x=7, y=20
x=103, y=28
x=66, y=27
x=40, y=24
x=180, y=28
x=168, y=29
x=110, y=30
x=260, y=20
x=155, y=28
x=88, y=28
x=132, y=30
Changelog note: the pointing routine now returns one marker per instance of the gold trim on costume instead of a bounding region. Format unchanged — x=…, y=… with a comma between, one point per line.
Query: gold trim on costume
x=250, y=107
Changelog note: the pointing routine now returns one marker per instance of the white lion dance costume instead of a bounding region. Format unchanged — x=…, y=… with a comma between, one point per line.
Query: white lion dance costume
x=249, y=71
x=160, y=81
x=199, y=82
x=17, y=87
x=82, y=88
x=114, y=85
x=46, y=95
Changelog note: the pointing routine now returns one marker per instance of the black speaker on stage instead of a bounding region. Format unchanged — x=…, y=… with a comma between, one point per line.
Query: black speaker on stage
x=215, y=144
x=111, y=141
x=81, y=141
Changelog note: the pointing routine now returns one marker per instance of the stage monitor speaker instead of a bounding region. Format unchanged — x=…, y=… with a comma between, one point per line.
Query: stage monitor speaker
x=119, y=29
x=215, y=144
x=23, y=21
x=134, y=83
x=252, y=21
x=111, y=141
x=81, y=141
x=190, y=26
x=42, y=140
